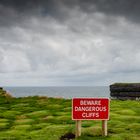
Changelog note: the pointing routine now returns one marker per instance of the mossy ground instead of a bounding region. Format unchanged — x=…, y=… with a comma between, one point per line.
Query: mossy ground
x=42, y=118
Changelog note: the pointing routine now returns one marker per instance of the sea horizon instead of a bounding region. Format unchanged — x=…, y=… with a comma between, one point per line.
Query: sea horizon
x=58, y=91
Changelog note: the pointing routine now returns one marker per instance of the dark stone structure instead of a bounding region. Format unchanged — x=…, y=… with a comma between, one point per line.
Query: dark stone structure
x=125, y=91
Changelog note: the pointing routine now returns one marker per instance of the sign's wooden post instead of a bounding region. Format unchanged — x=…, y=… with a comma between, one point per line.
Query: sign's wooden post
x=78, y=128
x=104, y=127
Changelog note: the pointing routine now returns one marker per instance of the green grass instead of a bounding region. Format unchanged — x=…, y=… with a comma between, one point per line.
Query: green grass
x=42, y=118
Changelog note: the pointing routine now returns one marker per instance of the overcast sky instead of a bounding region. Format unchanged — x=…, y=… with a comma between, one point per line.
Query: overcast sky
x=69, y=42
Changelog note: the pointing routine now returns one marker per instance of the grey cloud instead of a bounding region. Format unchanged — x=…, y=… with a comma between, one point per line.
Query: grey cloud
x=127, y=8
x=65, y=48
x=68, y=42
x=16, y=11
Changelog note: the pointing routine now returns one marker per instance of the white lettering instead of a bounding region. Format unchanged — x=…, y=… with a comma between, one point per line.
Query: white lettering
x=91, y=108
x=90, y=102
x=90, y=115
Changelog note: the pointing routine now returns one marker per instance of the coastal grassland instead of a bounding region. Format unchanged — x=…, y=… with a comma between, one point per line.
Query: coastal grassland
x=42, y=118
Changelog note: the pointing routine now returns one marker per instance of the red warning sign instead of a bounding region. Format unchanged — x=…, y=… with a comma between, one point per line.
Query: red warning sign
x=90, y=108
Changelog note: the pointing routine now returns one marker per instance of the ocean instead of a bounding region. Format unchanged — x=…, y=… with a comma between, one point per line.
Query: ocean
x=64, y=92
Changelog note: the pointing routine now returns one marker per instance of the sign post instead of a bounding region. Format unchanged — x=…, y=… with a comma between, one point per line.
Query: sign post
x=104, y=127
x=90, y=109
x=78, y=128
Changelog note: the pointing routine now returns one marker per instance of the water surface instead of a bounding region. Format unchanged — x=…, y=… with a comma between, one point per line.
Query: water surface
x=65, y=92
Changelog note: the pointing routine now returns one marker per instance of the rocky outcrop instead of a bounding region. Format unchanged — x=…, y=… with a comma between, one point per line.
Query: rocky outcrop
x=4, y=93
x=125, y=91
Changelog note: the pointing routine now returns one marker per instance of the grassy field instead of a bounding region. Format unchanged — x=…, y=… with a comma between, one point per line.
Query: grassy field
x=42, y=118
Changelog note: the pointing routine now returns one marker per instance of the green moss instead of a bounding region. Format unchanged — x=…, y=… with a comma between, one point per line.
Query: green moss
x=21, y=127
x=41, y=118
x=23, y=121
x=3, y=125
x=38, y=114
x=4, y=120
x=125, y=112
x=9, y=114
x=87, y=124
x=39, y=126
x=93, y=131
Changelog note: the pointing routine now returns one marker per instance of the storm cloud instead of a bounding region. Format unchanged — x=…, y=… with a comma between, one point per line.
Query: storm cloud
x=69, y=42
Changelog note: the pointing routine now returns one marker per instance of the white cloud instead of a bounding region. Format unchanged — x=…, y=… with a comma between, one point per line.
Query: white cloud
x=13, y=61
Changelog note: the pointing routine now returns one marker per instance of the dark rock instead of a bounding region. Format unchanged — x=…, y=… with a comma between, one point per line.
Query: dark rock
x=126, y=87
x=125, y=94
x=124, y=91
x=67, y=136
